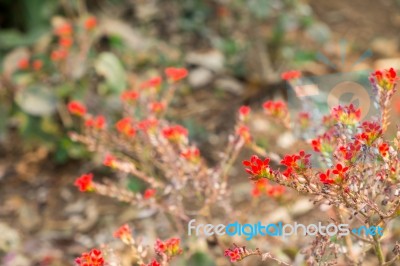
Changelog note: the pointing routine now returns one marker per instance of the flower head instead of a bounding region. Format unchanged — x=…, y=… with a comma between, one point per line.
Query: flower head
x=326, y=178
x=347, y=115
x=244, y=133
x=385, y=79
x=157, y=107
x=175, y=74
x=90, y=23
x=258, y=168
x=340, y=171
x=149, y=193
x=234, y=254
x=84, y=182
x=191, y=154
x=152, y=83
x=148, y=124
x=129, y=96
x=297, y=162
x=65, y=42
x=276, y=109
x=124, y=233
x=64, y=29
x=293, y=74
x=152, y=263
x=37, y=64
x=109, y=161
x=124, y=126
x=244, y=112
x=175, y=133
x=93, y=258
x=98, y=122
x=58, y=55
x=76, y=108
x=383, y=149
x=23, y=64
x=304, y=120
x=371, y=131
x=169, y=247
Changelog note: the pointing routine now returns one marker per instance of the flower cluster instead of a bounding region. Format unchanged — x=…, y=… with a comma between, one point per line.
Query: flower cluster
x=263, y=186
x=25, y=64
x=170, y=247
x=234, y=254
x=176, y=133
x=385, y=79
x=258, y=168
x=296, y=163
x=93, y=258
x=276, y=109
x=124, y=233
x=347, y=115
x=292, y=74
x=85, y=182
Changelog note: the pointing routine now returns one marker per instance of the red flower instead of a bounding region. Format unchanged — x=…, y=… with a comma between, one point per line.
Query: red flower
x=90, y=23
x=129, y=96
x=259, y=186
x=98, y=122
x=58, y=55
x=76, y=108
x=149, y=193
x=304, y=120
x=371, y=131
x=109, y=161
x=383, y=149
x=37, y=64
x=244, y=112
x=157, y=107
x=93, y=258
x=297, y=162
x=386, y=79
x=275, y=191
x=244, y=133
x=152, y=83
x=316, y=144
x=64, y=30
x=65, y=42
x=347, y=115
x=84, y=182
x=258, y=168
x=170, y=247
x=148, y=124
x=124, y=126
x=175, y=133
x=123, y=231
x=233, y=254
x=176, y=74
x=340, y=170
x=325, y=178
x=152, y=263
x=23, y=64
x=191, y=154
x=350, y=151
x=293, y=74
x=276, y=109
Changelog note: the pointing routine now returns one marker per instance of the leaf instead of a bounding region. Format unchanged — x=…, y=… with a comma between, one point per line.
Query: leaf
x=200, y=259
x=110, y=67
x=37, y=100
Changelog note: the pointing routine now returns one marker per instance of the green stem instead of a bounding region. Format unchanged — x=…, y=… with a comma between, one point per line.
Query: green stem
x=378, y=250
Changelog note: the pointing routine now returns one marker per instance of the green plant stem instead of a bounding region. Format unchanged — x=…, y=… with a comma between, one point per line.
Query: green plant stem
x=378, y=250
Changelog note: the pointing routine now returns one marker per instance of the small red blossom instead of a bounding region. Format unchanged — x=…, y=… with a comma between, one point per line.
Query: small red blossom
x=76, y=108
x=23, y=64
x=275, y=191
x=90, y=23
x=371, y=131
x=170, y=247
x=157, y=107
x=64, y=30
x=386, y=79
x=191, y=154
x=383, y=149
x=129, y=96
x=175, y=133
x=84, y=182
x=65, y=42
x=297, y=162
x=304, y=120
x=234, y=255
x=293, y=74
x=124, y=126
x=258, y=168
x=109, y=161
x=316, y=144
x=244, y=133
x=93, y=258
x=325, y=177
x=340, y=170
x=58, y=55
x=350, y=151
x=244, y=112
x=149, y=193
x=323, y=143
x=276, y=109
x=148, y=124
x=123, y=232
x=152, y=263
x=176, y=74
x=98, y=122
x=152, y=83
x=37, y=64
x=347, y=115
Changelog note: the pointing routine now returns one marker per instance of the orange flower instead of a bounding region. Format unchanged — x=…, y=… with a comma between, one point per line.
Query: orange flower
x=148, y=124
x=76, y=108
x=93, y=258
x=65, y=42
x=58, y=55
x=157, y=107
x=244, y=133
x=37, y=64
x=109, y=161
x=99, y=122
x=383, y=149
x=175, y=133
x=64, y=30
x=123, y=231
x=191, y=154
x=84, y=182
x=152, y=83
x=129, y=96
x=176, y=74
x=124, y=126
x=90, y=23
x=23, y=64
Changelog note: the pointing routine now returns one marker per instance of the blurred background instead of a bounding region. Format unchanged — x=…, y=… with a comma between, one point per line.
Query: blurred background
x=235, y=51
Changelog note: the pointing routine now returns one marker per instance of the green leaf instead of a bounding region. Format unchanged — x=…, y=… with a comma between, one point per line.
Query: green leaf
x=37, y=100
x=110, y=67
x=200, y=259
